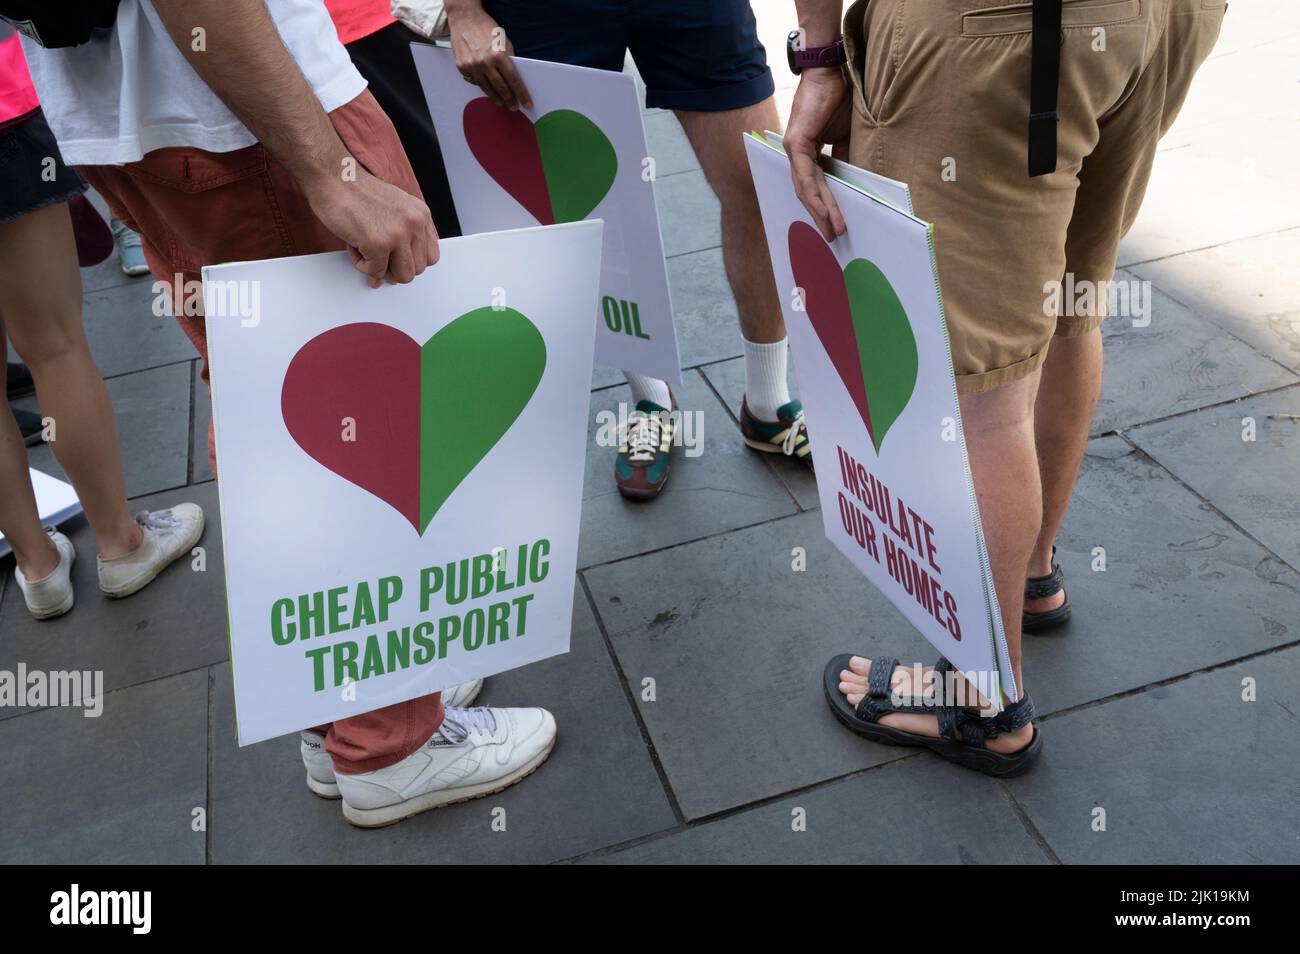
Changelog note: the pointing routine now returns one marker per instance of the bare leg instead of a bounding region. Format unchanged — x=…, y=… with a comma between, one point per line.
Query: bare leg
x=716, y=139
x=40, y=298
x=1063, y=412
x=19, y=520
x=1000, y=439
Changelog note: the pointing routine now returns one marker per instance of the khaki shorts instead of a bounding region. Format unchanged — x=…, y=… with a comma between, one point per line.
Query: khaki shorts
x=941, y=101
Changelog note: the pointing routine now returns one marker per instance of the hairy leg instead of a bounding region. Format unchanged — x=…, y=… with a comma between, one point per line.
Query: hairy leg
x=1067, y=397
x=716, y=139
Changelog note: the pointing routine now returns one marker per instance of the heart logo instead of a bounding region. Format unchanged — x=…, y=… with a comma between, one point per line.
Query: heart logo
x=861, y=324
x=407, y=422
x=558, y=168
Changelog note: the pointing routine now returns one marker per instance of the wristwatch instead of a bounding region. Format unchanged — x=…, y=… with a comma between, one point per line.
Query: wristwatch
x=813, y=56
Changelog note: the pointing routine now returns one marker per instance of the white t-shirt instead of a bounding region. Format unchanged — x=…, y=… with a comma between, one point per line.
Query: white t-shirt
x=130, y=90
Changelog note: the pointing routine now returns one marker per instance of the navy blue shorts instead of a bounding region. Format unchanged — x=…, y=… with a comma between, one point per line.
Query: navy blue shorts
x=698, y=55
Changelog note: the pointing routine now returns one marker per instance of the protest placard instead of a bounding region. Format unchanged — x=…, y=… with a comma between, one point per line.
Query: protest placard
x=874, y=365
x=400, y=469
x=579, y=153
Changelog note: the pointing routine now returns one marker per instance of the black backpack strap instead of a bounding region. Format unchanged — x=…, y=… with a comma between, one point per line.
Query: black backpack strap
x=1044, y=77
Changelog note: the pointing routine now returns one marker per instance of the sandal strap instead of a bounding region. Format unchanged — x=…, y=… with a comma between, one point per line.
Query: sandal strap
x=877, y=702
x=966, y=725
x=879, y=676
x=1041, y=587
x=941, y=669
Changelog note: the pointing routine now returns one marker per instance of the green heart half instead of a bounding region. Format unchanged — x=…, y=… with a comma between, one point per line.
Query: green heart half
x=862, y=326
x=558, y=168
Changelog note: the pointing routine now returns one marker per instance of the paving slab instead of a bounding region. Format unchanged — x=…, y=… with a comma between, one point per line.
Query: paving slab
x=153, y=429
x=735, y=640
x=1176, y=575
x=175, y=624
x=1179, y=362
x=602, y=377
x=723, y=488
x=704, y=310
x=1254, y=481
x=1224, y=171
x=1179, y=214
x=688, y=213
x=126, y=336
x=1247, y=288
x=120, y=788
x=668, y=144
x=598, y=787
x=916, y=811
x=728, y=379
x=726, y=628
x=200, y=469
x=1187, y=773
x=109, y=273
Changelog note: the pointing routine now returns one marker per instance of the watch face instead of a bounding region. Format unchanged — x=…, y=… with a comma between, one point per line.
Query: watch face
x=793, y=41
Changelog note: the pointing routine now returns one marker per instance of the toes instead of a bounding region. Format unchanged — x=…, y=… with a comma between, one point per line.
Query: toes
x=852, y=691
x=860, y=665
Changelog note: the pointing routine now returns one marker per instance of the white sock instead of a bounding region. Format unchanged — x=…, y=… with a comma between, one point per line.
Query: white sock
x=649, y=389
x=765, y=387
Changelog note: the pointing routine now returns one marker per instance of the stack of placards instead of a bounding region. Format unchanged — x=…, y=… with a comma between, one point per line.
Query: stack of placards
x=874, y=365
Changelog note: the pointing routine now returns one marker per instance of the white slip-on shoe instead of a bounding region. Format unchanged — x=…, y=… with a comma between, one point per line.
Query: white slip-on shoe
x=51, y=596
x=475, y=752
x=319, y=764
x=168, y=534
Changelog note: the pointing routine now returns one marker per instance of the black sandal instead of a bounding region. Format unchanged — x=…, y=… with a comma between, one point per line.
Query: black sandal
x=963, y=732
x=1039, y=588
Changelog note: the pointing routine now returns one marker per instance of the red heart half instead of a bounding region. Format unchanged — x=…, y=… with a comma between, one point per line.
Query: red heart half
x=367, y=373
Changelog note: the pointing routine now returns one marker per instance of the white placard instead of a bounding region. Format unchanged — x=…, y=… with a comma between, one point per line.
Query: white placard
x=872, y=356
x=56, y=502
x=400, y=469
x=579, y=153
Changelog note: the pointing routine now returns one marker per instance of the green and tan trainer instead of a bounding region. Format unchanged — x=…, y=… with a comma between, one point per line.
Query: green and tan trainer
x=645, y=444
x=787, y=435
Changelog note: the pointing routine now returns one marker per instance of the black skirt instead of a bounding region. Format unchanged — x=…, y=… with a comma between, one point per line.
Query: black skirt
x=32, y=172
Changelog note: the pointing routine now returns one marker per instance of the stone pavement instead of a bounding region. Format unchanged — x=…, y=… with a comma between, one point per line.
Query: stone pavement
x=1141, y=697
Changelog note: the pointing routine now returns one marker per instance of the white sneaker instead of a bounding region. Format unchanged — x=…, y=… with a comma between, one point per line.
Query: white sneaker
x=475, y=752
x=168, y=534
x=51, y=596
x=462, y=695
x=319, y=764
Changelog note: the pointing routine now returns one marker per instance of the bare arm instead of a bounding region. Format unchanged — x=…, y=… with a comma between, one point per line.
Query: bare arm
x=818, y=115
x=242, y=58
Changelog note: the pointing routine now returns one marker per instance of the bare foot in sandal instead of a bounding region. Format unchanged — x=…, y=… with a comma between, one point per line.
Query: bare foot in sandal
x=854, y=685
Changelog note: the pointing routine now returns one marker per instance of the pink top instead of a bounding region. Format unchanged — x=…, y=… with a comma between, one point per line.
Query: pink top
x=17, y=94
x=356, y=19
